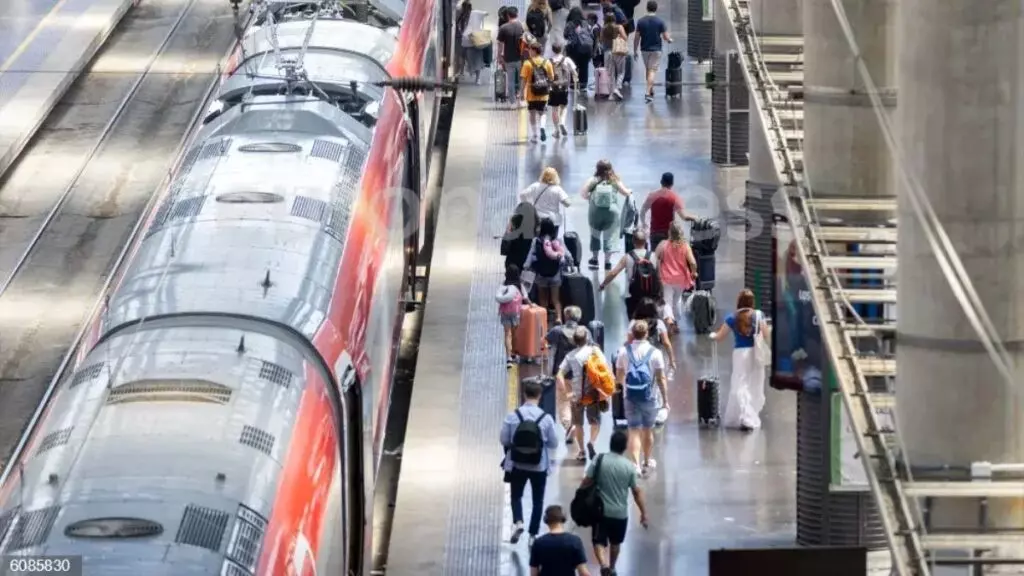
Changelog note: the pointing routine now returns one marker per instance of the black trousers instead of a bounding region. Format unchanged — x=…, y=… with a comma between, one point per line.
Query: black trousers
x=582, y=69
x=538, y=482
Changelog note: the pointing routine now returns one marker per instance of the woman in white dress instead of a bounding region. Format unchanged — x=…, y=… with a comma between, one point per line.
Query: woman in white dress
x=548, y=197
x=746, y=388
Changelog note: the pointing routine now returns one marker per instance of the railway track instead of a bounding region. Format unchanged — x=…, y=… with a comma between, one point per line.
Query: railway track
x=72, y=201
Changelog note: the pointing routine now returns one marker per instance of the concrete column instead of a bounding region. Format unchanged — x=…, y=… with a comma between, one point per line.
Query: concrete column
x=844, y=151
x=961, y=123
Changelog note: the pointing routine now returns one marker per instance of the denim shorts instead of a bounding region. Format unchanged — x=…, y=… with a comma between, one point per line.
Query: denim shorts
x=641, y=414
x=546, y=282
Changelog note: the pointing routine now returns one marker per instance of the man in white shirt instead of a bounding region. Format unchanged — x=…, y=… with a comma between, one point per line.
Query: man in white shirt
x=638, y=368
x=574, y=363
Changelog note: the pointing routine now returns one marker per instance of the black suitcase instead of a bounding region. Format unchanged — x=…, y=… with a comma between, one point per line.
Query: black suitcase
x=675, y=60
x=500, y=85
x=673, y=82
x=702, y=309
x=707, y=393
x=618, y=401
x=704, y=236
x=596, y=328
x=578, y=290
x=705, y=270
x=579, y=120
x=573, y=247
x=548, y=398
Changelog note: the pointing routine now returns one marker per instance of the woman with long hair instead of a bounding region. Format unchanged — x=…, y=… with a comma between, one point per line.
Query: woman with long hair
x=547, y=196
x=678, y=269
x=746, y=388
x=602, y=193
x=579, y=45
x=613, y=38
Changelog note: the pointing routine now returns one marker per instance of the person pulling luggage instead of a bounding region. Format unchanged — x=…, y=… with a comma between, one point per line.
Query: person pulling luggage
x=529, y=437
x=644, y=281
x=510, y=297
x=565, y=78
x=746, y=389
x=560, y=341
x=677, y=267
x=602, y=193
x=641, y=373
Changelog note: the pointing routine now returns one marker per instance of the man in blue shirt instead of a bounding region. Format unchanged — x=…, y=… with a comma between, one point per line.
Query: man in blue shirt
x=530, y=438
x=650, y=32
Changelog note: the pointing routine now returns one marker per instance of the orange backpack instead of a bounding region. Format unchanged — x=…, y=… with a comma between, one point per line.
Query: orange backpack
x=599, y=376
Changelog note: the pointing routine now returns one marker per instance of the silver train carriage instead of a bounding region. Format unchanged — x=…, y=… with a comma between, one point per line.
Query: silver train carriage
x=226, y=411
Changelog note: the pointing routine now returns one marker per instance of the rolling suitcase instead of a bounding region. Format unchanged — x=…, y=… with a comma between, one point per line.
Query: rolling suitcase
x=602, y=83
x=500, y=85
x=579, y=120
x=707, y=393
x=702, y=308
x=528, y=340
x=673, y=82
x=578, y=290
x=618, y=399
x=573, y=246
x=540, y=373
x=705, y=271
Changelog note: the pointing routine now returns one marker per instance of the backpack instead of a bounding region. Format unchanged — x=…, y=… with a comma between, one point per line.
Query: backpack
x=599, y=376
x=536, y=23
x=562, y=346
x=587, y=508
x=639, y=378
x=581, y=43
x=511, y=307
x=562, y=76
x=527, y=441
x=556, y=4
x=540, y=84
x=645, y=282
x=544, y=265
x=603, y=195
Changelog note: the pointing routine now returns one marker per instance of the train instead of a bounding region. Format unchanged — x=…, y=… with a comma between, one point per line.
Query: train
x=226, y=408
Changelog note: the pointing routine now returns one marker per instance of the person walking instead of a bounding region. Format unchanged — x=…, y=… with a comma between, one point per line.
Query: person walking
x=664, y=204
x=616, y=478
x=558, y=553
x=548, y=197
x=578, y=392
x=579, y=46
x=565, y=79
x=603, y=213
x=746, y=388
x=640, y=371
x=529, y=437
x=651, y=33
x=546, y=259
x=616, y=49
x=641, y=274
x=539, y=22
x=538, y=78
x=510, y=298
x=678, y=269
x=510, y=55
x=559, y=340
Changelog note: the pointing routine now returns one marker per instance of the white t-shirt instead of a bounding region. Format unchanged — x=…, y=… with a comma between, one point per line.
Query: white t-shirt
x=640, y=349
x=574, y=362
x=547, y=202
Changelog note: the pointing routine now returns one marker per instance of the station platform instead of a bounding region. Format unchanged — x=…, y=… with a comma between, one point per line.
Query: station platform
x=712, y=489
x=44, y=45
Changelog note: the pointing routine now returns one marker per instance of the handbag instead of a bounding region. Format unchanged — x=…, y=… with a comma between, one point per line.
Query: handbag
x=619, y=46
x=762, y=349
x=480, y=38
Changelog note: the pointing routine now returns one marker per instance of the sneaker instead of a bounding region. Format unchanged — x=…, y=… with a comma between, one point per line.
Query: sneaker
x=517, y=533
x=562, y=129
x=533, y=139
x=651, y=464
x=555, y=133
x=581, y=456
x=529, y=543
x=568, y=435
x=590, y=450
x=592, y=263
x=607, y=264
x=649, y=98
x=617, y=95
x=543, y=135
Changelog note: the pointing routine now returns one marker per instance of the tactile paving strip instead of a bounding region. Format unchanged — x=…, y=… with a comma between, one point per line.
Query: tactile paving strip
x=473, y=541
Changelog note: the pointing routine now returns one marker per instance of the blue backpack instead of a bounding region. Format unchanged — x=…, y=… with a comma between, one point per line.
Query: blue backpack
x=639, y=379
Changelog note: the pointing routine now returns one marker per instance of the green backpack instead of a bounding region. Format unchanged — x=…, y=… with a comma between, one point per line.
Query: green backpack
x=603, y=195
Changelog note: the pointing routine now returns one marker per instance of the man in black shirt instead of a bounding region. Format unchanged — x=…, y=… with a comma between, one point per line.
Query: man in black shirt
x=510, y=56
x=558, y=553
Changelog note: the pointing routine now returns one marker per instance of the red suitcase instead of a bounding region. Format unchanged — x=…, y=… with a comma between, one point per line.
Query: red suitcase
x=528, y=341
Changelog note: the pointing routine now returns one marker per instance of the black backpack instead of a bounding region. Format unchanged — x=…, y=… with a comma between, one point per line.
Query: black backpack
x=543, y=265
x=527, y=441
x=645, y=282
x=536, y=23
x=540, y=82
x=556, y=4
x=587, y=508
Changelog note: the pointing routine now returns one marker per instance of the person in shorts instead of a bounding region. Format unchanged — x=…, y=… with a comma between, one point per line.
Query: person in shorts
x=616, y=479
x=546, y=259
x=641, y=416
x=537, y=102
x=510, y=298
x=651, y=31
x=575, y=390
x=510, y=58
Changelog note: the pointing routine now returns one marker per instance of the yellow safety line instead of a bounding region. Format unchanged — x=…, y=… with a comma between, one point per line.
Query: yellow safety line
x=524, y=114
x=513, y=387
x=32, y=36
